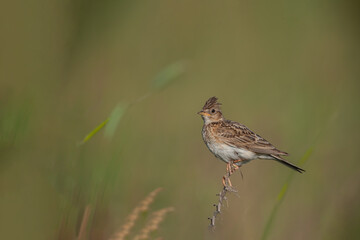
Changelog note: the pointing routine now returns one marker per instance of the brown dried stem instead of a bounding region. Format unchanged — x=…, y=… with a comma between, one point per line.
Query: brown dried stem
x=230, y=169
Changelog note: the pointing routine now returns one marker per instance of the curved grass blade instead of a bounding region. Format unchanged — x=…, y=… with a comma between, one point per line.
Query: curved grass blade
x=114, y=119
x=111, y=123
x=168, y=74
x=282, y=194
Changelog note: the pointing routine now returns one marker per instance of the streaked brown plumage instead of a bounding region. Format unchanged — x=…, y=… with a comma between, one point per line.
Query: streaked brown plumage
x=233, y=142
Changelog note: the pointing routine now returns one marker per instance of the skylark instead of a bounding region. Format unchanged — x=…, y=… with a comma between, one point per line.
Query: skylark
x=233, y=142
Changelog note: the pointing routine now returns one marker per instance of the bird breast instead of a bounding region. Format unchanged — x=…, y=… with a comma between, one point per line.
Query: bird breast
x=226, y=152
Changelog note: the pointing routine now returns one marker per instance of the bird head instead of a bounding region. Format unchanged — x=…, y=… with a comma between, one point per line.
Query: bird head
x=211, y=111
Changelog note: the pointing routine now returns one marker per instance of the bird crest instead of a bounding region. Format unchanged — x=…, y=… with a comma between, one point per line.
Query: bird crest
x=211, y=102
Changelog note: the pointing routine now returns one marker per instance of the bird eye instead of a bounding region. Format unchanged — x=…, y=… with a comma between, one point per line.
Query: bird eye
x=212, y=110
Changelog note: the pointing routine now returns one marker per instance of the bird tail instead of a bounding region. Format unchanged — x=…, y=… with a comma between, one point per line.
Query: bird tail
x=288, y=164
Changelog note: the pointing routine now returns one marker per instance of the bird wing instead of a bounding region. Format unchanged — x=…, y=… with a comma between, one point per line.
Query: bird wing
x=238, y=135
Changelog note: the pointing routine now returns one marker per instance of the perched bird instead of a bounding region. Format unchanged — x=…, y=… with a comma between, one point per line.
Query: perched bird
x=233, y=142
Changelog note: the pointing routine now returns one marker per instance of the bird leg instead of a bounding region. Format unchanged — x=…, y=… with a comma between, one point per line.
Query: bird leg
x=237, y=161
x=230, y=169
x=235, y=167
x=225, y=180
x=229, y=182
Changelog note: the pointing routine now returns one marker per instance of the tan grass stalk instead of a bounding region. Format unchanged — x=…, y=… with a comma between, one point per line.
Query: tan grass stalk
x=131, y=219
x=84, y=223
x=153, y=224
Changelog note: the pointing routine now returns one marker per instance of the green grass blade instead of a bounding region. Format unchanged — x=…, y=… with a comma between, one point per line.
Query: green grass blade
x=114, y=119
x=111, y=123
x=282, y=194
x=169, y=74
x=93, y=132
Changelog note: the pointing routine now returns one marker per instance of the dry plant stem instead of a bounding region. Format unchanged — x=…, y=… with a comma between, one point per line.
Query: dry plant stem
x=156, y=218
x=84, y=223
x=230, y=169
x=130, y=221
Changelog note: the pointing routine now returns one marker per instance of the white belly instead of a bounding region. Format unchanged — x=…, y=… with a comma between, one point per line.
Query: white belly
x=228, y=153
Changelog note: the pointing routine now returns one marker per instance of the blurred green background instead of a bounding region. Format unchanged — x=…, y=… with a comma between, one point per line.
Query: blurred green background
x=289, y=70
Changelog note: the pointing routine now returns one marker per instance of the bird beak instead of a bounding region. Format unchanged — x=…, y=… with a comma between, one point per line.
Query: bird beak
x=202, y=113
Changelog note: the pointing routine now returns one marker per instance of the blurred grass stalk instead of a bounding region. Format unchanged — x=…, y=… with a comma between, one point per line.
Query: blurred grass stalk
x=84, y=223
x=303, y=160
x=162, y=80
x=281, y=195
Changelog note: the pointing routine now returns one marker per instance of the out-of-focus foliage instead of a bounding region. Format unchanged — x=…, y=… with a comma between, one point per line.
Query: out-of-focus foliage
x=281, y=196
x=287, y=70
